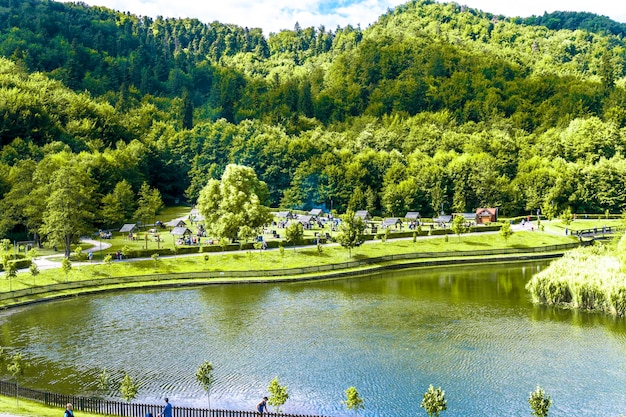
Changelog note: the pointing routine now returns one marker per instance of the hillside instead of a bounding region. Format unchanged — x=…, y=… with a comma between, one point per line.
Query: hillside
x=434, y=105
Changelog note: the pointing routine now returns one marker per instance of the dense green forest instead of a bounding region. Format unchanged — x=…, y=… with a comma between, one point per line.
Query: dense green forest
x=435, y=106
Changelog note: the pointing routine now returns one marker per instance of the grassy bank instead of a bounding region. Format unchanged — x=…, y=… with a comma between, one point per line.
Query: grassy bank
x=586, y=278
x=28, y=408
x=288, y=258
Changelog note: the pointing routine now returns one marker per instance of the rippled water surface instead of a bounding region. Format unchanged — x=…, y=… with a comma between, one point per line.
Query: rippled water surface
x=470, y=330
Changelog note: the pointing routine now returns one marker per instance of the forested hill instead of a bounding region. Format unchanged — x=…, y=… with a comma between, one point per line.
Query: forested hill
x=434, y=105
x=577, y=20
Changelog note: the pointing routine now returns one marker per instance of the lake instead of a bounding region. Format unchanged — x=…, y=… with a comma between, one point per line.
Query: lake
x=471, y=330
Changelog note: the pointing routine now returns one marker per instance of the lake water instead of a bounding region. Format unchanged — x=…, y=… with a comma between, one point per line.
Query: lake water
x=471, y=330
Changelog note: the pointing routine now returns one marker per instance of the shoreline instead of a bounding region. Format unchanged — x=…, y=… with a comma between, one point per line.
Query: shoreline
x=73, y=289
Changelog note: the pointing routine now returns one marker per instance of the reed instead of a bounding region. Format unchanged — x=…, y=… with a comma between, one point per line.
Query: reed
x=590, y=278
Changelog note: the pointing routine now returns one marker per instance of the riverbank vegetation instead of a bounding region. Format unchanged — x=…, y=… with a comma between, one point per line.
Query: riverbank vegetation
x=591, y=278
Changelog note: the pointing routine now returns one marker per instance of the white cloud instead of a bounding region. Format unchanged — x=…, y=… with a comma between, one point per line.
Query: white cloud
x=275, y=15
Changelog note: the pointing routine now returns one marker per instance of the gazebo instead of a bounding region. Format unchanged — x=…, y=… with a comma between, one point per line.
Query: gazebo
x=364, y=214
x=176, y=223
x=128, y=228
x=391, y=222
x=413, y=215
x=181, y=232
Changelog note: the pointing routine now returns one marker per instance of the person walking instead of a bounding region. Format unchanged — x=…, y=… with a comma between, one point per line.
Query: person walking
x=261, y=407
x=167, y=409
x=68, y=410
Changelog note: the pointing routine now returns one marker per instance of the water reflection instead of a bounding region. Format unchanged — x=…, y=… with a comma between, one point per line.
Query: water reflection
x=472, y=330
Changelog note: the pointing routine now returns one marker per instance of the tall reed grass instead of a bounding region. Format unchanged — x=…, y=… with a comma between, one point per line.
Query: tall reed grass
x=591, y=278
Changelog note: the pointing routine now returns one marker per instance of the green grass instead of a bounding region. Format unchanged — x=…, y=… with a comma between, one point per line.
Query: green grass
x=272, y=259
x=10, y=406
x=557, y=226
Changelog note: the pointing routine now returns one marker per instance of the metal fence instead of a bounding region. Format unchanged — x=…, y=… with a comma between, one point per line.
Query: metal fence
x=118, y=408
x=435, y=258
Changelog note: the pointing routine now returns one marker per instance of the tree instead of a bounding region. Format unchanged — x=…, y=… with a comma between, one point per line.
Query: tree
x=458, y=226
x=567, y=217
x=16, y=368
x=104, y=382
x=204, y=375
x=70, y=206
x=148, y=204
x=506, y=231
x=237, y=200
x=66, y=265
x=108, y=260
x=350, y=231
x=294, y=233
x=278, y=394
x=155, y=258
x=353, y=401
x=128, y=388
x=11, y=273
x=34, y=271
x=78, y=253
x=119, y=205
x=539, y=402
x=434, y=401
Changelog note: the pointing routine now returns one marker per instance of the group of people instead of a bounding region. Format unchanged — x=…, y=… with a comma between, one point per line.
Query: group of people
x=261, y=408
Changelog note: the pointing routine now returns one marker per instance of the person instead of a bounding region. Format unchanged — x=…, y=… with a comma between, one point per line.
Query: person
x=261, y=407
x=68, y=410
x=167, y=409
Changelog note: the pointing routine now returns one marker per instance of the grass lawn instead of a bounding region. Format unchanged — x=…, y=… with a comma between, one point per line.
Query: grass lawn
x=10, y=406
x=557, y=226
x=289, y=258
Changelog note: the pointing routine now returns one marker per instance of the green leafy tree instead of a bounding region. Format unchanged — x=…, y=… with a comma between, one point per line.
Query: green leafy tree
x=353, y=400
x=16, y=367
x=103, y=383
x=11, y=273
x=66, y=265
x=237, y=200
x=128, y=388
x=434, y=401
x=539, y=402
x=567, y=217
x=458, y=226
x=70, y=206
x=350, y=231
x=78, y=253
x=506, y=231
x=108, y=260
x=34, y=271
x=155, y=258
x=119, y=205
x=149, y=203
x=294, y=233
x=278, y=394
x=205, y=377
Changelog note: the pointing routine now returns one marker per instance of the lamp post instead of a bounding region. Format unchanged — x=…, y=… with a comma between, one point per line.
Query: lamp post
x=100, y=239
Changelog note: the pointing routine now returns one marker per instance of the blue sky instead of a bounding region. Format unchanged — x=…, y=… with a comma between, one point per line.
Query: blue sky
x=274, y=15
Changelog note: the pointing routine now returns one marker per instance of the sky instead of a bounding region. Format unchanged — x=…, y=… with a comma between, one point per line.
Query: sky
x=275, y=15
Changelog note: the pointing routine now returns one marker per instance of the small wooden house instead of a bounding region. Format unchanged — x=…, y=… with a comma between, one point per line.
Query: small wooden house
x=486, y=215
x=176, y=223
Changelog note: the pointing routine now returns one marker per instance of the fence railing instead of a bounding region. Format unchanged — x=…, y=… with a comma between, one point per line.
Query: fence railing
x=119, y=408
x=287, y=272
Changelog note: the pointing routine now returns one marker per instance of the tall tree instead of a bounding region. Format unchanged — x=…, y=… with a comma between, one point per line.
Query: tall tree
x=119, y=205
x=70, y=206
x=149, y=203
